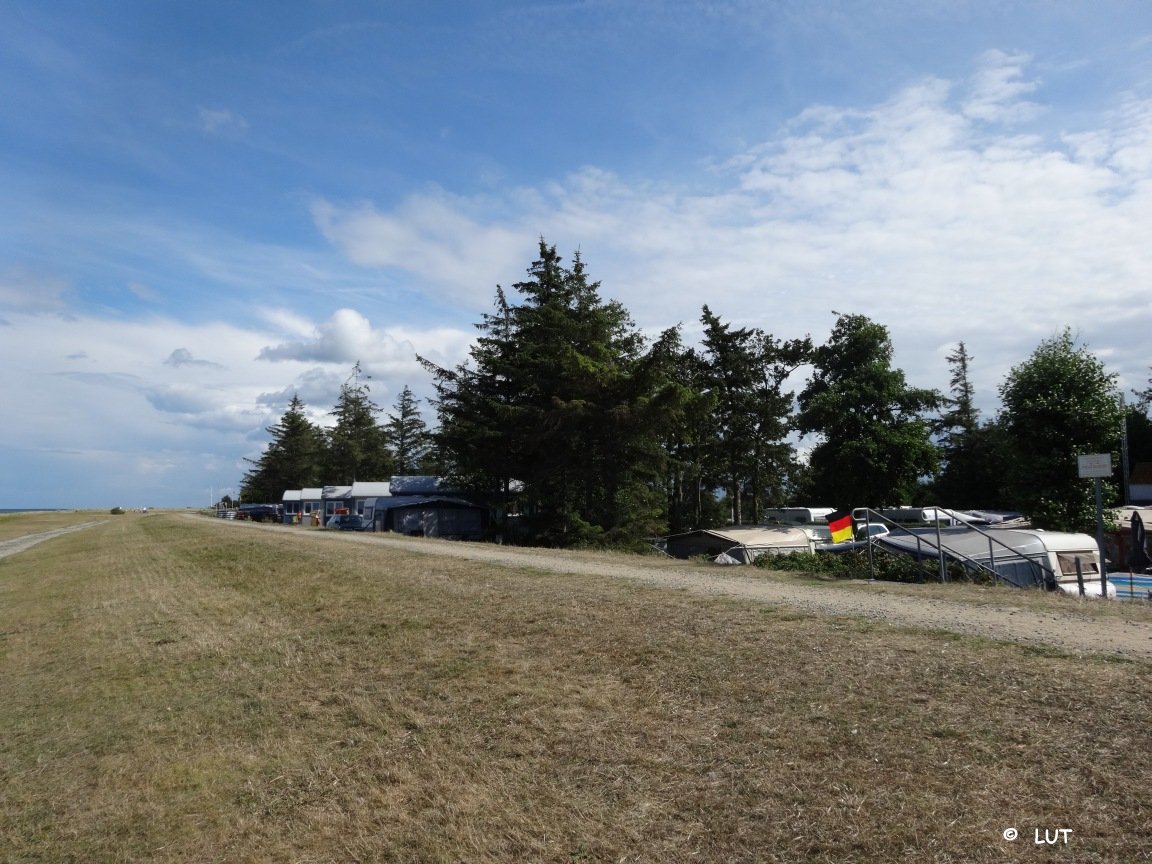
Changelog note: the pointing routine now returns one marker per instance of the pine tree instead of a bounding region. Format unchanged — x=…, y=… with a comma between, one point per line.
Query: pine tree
x=407, y=435
x=560, y=405
x=689, y=447
x=746, y=370
x=290, y=461
x=356, y=447
x=960, y=483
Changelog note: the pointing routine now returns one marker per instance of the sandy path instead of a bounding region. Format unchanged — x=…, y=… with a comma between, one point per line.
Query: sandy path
x=1069, y=629
x=19, y=544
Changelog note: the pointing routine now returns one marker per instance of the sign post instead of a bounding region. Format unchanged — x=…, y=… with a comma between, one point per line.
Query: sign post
x=1098, y=466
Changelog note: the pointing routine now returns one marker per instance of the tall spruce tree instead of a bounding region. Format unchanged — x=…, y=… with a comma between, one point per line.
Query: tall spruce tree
x=875, y=439
x=746, y=370
x=356, y=448
x=1058, y=404
x=291, y=460
x=560, y=406
x=407, y=435
x=690, y=447
x=965, y=480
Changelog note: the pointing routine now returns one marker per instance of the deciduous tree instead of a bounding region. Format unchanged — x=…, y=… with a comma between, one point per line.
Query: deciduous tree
x=1058, y=404
x=875, y=438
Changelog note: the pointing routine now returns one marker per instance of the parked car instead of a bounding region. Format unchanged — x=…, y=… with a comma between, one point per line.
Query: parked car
x=352, y=522
x=261, y=512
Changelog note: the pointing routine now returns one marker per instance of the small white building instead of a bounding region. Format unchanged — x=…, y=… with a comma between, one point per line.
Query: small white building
x=336, y=500
x=362, y=498
x=300, y=504
x=291, y=502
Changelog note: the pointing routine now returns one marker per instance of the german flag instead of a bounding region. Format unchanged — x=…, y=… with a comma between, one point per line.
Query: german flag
x=841, y=524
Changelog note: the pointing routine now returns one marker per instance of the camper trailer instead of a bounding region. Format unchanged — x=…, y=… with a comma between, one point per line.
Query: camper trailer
x=797, y=515
x=1025, y=558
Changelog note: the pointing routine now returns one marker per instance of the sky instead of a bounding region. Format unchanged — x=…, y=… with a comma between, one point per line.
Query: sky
x=208, y=207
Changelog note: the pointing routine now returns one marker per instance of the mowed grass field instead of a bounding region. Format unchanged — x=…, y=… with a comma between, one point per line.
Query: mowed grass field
x=178, y=689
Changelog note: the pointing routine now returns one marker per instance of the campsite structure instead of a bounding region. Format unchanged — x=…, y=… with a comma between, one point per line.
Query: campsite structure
x=738, y=544
x=415, y=505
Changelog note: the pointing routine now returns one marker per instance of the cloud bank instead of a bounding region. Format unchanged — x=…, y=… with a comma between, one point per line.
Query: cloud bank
x=951, y=211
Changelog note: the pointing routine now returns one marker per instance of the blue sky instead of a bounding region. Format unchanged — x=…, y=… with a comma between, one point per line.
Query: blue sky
x=207, y=207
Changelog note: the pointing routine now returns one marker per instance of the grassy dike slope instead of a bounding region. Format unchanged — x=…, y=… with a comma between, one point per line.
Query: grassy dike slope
x=179, y=690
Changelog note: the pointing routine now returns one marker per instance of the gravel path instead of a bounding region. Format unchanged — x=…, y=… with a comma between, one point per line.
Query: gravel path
x=19, y=544
x=1070, y=630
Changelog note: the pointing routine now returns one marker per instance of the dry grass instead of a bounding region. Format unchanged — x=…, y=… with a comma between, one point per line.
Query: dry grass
x=13, y=525
x=182, y=691
x=1000, y=596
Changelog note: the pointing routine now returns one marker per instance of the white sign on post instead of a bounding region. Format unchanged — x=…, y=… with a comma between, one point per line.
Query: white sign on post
x=1095, y=465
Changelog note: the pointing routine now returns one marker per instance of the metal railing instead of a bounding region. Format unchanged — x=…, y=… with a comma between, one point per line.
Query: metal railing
x=943, y=551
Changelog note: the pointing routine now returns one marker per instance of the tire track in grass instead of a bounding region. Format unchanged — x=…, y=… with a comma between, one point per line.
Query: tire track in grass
x=20, y=544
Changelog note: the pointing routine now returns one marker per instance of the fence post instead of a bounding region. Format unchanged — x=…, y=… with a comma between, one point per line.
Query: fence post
x=940, y=550
x=1079, y=576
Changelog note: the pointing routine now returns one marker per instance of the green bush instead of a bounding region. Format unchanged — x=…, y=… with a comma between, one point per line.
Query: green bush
x=886, y=567
x=845, y=565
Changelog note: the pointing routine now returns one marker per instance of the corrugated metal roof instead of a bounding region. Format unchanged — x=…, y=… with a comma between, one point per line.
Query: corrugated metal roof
x=370, y=489
x=397, y=502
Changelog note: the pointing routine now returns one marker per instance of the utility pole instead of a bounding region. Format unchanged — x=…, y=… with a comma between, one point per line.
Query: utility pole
x=1124, y=470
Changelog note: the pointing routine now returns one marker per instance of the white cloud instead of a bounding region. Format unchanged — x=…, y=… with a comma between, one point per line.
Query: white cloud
x=949, y=211
x=221, y=121
x=432, y=236
x=183, y=357
x=348, y=337
x=26, y=290
x=997, y=87
x=112, y=399
x=931, y=212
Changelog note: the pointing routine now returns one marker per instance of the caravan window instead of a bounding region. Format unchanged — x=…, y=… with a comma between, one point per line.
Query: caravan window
x=1088, y=565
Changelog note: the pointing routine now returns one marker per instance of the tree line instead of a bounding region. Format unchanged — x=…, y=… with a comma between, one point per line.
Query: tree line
x=359, y=445
x=581, y=431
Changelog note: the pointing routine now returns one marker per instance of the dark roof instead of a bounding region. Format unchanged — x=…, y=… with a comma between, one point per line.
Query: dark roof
x=400, y=501
x=420, y=484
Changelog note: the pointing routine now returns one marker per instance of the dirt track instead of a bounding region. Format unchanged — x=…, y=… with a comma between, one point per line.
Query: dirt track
x=19, y=544
x=1065, y=626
